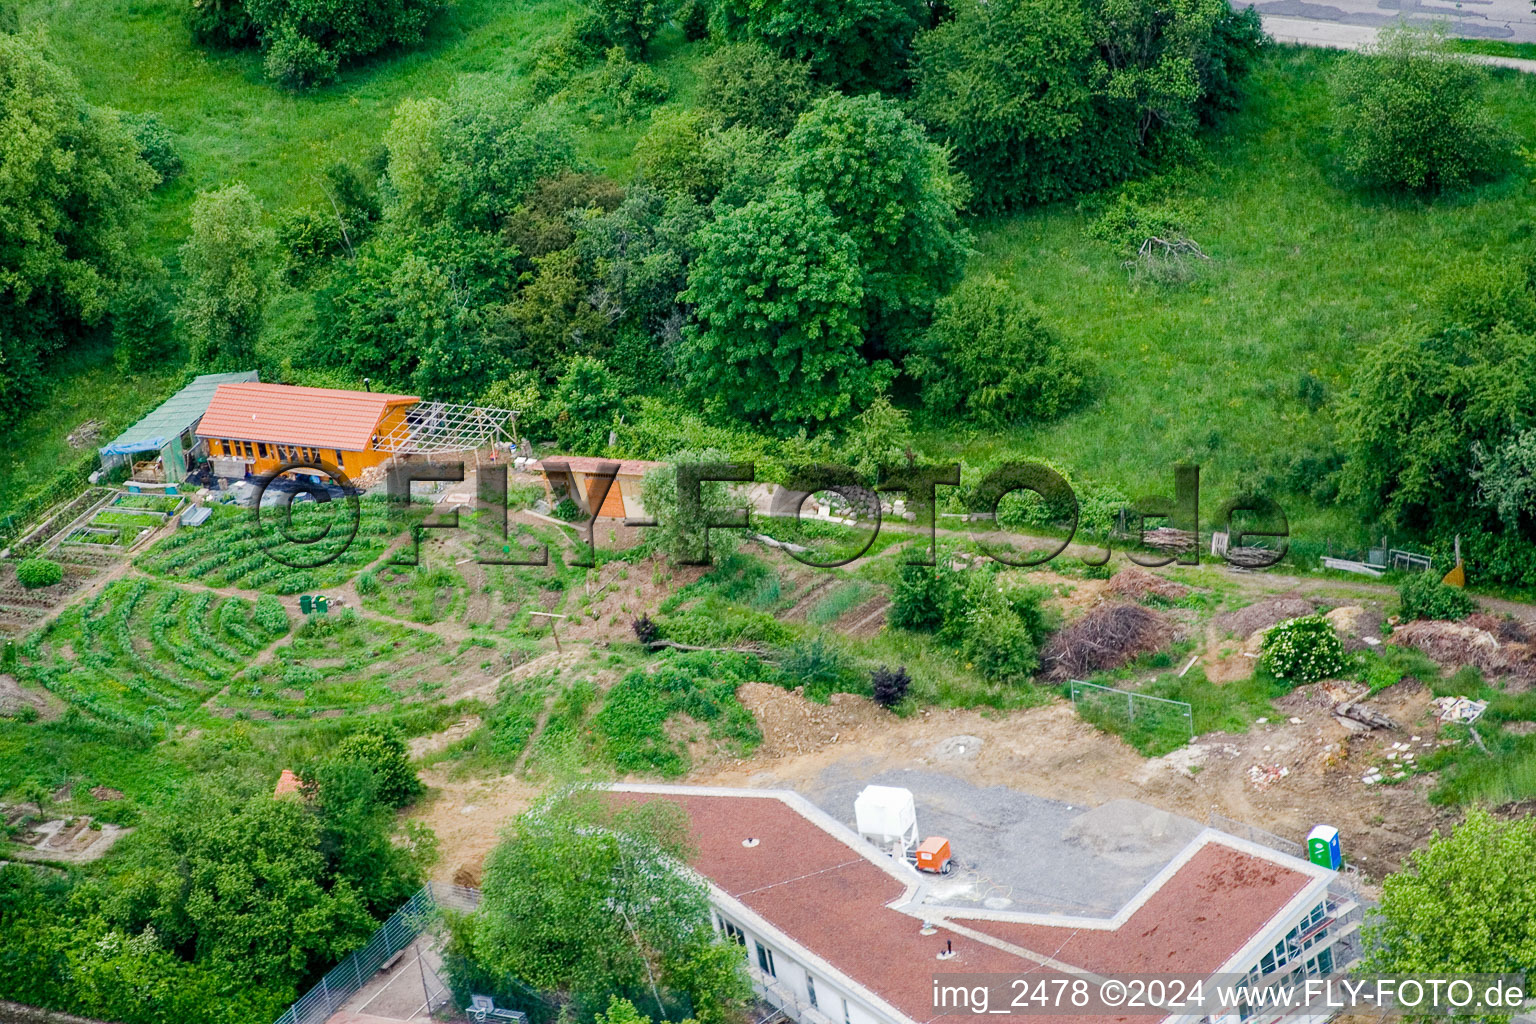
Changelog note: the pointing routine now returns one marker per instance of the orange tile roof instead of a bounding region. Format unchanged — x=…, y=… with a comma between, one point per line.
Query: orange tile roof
x=285, y=414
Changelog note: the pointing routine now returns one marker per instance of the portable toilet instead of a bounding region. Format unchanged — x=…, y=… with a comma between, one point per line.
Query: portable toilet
x=306, y=603
x=886, y=815
x=1323, y=847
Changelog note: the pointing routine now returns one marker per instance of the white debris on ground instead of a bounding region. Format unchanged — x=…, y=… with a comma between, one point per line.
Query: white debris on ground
x=1401, y=759
x=1458, y=709
x=1265, y=775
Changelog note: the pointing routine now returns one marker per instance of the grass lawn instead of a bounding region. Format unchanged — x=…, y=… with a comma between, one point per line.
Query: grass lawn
x=87, y=387
x=1304, y=275
x=138, y=55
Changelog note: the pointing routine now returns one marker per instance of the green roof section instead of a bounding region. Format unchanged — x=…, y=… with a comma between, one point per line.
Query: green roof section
x=174, y=415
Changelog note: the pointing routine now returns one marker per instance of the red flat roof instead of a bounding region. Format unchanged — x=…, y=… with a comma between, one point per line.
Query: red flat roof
x=1196, y=921
x=285, y=414
x=825, y=895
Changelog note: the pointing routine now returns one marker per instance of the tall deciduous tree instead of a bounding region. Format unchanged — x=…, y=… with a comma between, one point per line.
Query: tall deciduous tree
x=471, y=159
x=779, y=301
x=854, y=44
x=537, y=923
x=1461, y=904
x=71, y=184
x=890, y=189
x=225, y=262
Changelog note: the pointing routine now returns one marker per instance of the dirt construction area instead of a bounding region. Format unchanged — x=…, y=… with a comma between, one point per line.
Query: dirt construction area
x=1301, y=766
x=1283, y=776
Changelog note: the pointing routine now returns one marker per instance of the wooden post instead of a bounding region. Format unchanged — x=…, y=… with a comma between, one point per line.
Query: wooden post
x=552, y=632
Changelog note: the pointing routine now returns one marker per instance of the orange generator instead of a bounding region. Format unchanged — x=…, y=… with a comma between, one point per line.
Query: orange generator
x=933, y=855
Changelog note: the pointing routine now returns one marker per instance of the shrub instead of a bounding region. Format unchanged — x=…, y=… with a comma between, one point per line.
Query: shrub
x=779, y=297
x=296, y=61
x=70, y=210
x=821, y=668
x=157, y=145
x=270, y=615
x=890, y=685
x=1111, y=86
x=923, y=596
x=646, y=631
x=141, y=324
x=386, y=756
x=307, y=40
x=1423, y=596
x=221, y=22
x=39, y=572
x=307, y=238
x=748, y=84
x=1000, y=632
x=1409, y=116
x=988, y=357
x=855, y=44
x=567, y=510
x=629, y=24
x=1303, y=650
x=367, y=584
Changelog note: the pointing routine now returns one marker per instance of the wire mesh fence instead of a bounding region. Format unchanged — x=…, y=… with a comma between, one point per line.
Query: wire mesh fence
x=342, y=982
x=1126, y=711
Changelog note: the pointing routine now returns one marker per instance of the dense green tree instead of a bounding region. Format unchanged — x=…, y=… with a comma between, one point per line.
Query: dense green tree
x=989, y=358
x=471, y=159
x=426, y=309
x=1461, y=904
x=225, y=270
x=1506, y=480
x=1418, y=406
x=495, y=149
x=1042, y=98
x=748, y=84
x=237, y=882
x=779, y=300
x=384, y=754
x=306, y=41
x=357, y=838
x=142, y=325
x=546, y=220
x=1410, y=116
x=857, y=45
x=639, y=254
x=680, y=532
x=890, y=190
x=558, y=314
x=653, y=942
x=629, y=23
x=587, y=403
x=157, y=144
x=71, y=187
x=687, y=152
x=1008, y=85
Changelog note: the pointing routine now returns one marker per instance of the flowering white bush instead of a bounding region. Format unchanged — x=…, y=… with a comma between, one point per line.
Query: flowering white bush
x=1303, y=650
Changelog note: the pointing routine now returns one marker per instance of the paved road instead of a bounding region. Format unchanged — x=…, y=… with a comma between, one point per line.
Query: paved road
x=1337, y=35
x=1510, y=20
